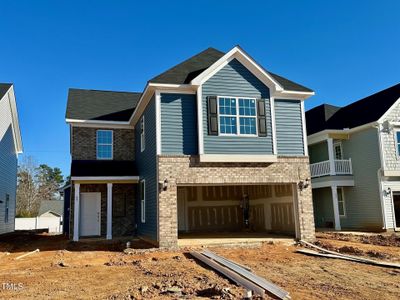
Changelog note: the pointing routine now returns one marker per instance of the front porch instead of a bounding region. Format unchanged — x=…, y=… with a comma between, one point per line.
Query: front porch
x=103, y=208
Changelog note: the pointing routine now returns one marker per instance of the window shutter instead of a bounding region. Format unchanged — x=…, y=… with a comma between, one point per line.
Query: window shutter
x=212, y=115
x=261, y=118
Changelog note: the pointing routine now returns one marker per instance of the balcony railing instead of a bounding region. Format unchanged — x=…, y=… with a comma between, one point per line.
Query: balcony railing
x=337, y=167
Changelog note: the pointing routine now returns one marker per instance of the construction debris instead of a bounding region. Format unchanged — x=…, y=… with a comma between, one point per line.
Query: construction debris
x=241, y=275
x=333, y=254
x=29, y=253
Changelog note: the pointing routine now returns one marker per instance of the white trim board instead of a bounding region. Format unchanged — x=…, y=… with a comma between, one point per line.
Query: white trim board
x=330, y=183
x=238, y=158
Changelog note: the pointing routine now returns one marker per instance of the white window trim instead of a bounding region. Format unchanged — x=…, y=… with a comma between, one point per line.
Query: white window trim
x=112, y=145
x=143, y=201
x=343, y=201
x=142, y=135
x=237, y=116
x=396, y=142
x=335, y=144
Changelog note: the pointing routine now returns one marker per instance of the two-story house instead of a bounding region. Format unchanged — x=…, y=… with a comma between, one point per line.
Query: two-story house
x=214, y=144
x=10, y=147
x=355, y=163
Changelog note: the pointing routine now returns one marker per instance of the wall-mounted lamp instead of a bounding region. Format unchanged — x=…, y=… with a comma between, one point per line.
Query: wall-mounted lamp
x=304, y=184
x=387, y=192
x=163, y=185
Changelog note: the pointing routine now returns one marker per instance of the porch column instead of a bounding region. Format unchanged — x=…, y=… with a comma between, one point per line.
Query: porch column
x=331, y=156
x=109, y=211
x=336, y=207
x=76, y=211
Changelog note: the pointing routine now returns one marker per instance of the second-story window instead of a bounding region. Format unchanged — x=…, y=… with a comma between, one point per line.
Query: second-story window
x=237, y=116
x=104, y=145
x=398, y=143
x=142, y=135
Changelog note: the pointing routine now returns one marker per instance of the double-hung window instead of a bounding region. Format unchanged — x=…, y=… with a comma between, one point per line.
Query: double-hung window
x=142, y=135
x=104, y=146
x=237, y=116
x=398, y=142
x=7, y=210
x=143, y=201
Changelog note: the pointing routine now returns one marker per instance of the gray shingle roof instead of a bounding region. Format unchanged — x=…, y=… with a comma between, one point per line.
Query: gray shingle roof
x=101, y=105
x=4, y=87
x=184, y=72
x=55, y=206
x=364, y=111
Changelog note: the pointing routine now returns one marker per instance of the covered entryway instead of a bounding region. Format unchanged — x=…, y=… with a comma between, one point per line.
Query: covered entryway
x=236, y=211
x=90, y=214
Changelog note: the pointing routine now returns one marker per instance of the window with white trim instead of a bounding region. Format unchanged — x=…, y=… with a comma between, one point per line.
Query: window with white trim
x=142, y=135
x=398, y=142
x=104, y=144
x=237, y=116
x=143, y=201
x=341, y=203
x=337, y=148
x=7, y=210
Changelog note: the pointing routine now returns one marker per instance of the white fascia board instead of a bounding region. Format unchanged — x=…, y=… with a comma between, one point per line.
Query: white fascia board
x=246, y=60
x=98, y=124
x=384, y=116
x=293, y=95
x=238, y=158
x=105, y=178
x=15, y=121
x=323, y=135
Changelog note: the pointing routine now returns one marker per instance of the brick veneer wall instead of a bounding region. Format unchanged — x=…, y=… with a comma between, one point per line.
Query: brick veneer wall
x=121, y=226
x=187, y=170
x=83, y=143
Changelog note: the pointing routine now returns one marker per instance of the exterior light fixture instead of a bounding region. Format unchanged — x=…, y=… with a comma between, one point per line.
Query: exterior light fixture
x=304, y=184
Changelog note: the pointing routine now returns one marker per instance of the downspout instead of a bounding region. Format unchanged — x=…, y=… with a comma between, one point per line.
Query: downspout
x=379, y=174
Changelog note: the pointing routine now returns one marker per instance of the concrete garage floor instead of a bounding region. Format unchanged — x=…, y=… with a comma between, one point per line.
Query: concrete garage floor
x=231, y=238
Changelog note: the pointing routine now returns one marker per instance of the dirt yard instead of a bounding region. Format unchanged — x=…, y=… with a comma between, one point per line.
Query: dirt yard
x=100, y=270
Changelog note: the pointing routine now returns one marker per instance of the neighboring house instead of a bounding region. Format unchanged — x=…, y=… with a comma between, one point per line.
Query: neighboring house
x=10, y=147
x=50, y=208
x=216, y=143
x=355, y=163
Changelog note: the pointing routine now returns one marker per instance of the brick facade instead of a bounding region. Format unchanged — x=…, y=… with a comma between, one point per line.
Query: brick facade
x=83, y=143
x=123, y=224
x=187, y=170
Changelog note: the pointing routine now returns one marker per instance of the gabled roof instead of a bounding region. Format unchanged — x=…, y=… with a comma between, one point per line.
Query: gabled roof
x=186, y=71
x=364, y=111
x=55, y=206
x=4, y=87
x=8, y=88
x=101, y=105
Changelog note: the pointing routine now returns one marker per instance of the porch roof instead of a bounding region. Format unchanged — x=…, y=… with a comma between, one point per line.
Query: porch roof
x=103, y=168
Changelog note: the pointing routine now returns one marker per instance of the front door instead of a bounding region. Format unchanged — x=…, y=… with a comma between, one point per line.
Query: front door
x=90, y=214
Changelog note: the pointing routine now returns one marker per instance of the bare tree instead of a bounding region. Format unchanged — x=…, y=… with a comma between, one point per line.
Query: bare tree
x=28, y=197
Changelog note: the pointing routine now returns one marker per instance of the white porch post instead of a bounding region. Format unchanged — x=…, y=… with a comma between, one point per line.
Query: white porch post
x=336, y=207
x=76, y=212
x=109, y=211
x=331, y=156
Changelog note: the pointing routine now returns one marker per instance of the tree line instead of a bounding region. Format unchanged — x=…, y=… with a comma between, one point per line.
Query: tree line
x=36, y=183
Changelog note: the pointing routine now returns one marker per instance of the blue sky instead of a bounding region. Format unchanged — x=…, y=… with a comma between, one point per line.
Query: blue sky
x=344, y=50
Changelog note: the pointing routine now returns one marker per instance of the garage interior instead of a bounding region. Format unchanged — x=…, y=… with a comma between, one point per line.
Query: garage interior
x=240, y=212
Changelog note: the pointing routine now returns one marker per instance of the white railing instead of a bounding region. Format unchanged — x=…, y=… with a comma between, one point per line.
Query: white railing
x=323, y=168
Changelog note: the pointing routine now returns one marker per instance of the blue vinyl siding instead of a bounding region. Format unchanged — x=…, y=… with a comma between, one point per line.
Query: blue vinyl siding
x=289, y=127
x=178, y=124
x=237, y=81
x=8, y=179
x=146, y=163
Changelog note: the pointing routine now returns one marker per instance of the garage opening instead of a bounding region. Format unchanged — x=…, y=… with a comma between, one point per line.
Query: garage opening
x=396, y=204
x=236, y=211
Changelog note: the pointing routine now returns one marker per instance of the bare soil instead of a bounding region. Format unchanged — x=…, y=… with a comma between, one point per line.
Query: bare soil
x=101, y=270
